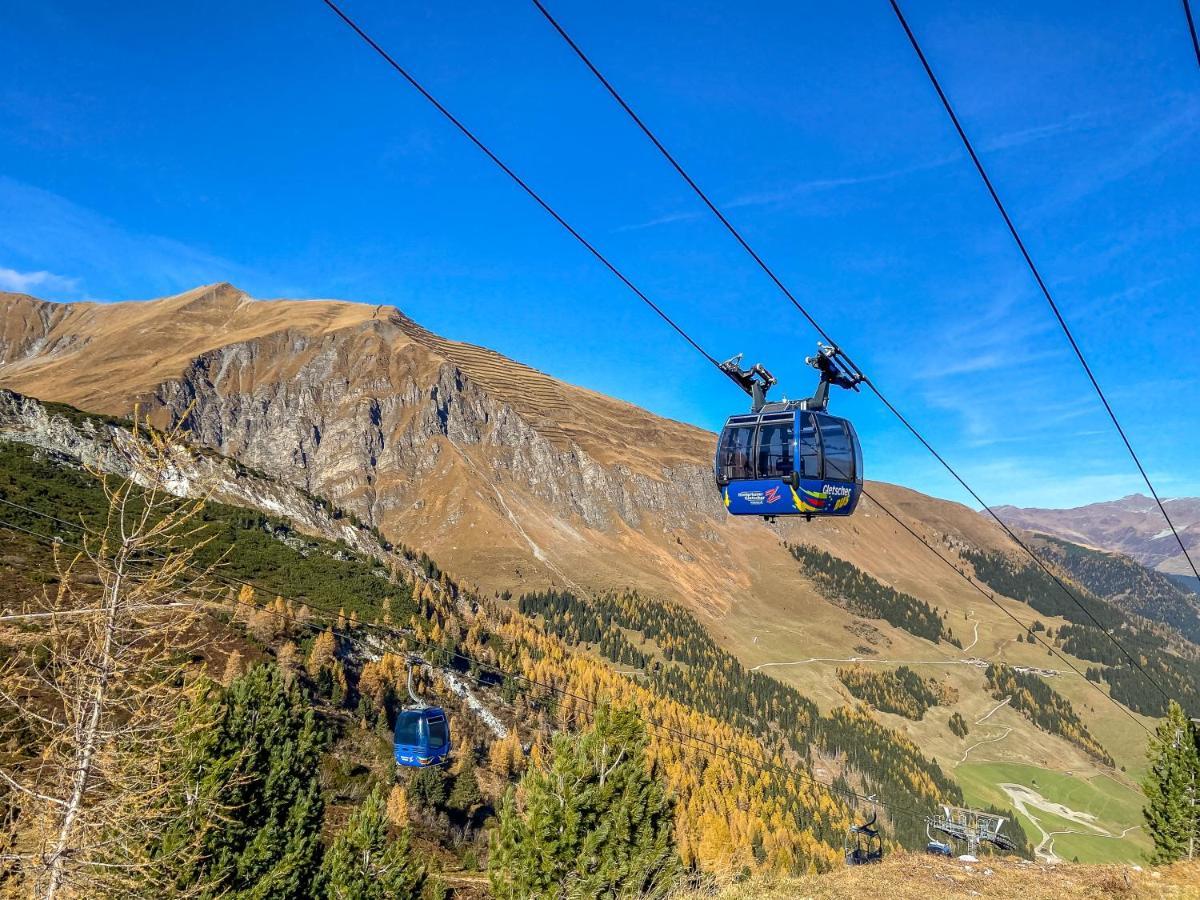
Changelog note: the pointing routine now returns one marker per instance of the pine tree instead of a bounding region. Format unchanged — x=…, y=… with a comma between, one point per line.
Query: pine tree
x=233, y=667
x=593, y=822
x=323, y=654
x=465, y=795
x=1170, y=786
x=259, y=762
x=427, y=788
x=363, y=864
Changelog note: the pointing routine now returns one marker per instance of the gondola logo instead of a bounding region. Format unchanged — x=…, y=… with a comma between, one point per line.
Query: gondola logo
x=754, y=498
x=772, y=495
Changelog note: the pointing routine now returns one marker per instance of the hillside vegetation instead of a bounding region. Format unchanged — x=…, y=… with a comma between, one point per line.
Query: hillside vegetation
x=912, y=877
x=688, y=666
x=1130, y=585
x=247, y=544
x=1044, y=706
x=901, y=691
x=848, y=586
x=744, y=790
x=1092, y=621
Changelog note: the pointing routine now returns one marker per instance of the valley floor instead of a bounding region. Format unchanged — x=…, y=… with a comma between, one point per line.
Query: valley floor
x=921, y=877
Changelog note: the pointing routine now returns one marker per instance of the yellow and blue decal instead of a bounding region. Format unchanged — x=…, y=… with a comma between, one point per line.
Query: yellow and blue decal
x=776, y=497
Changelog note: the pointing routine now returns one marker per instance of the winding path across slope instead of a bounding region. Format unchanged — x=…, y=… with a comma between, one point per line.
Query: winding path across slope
x=1026, y=799
x=991, y=740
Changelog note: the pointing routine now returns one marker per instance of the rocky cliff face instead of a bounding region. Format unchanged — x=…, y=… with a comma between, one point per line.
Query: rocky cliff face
x=504, y=474
x=106, y=445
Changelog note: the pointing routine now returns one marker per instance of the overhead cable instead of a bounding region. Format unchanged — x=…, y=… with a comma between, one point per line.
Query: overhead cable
x=758, y=259
x=1037, y=275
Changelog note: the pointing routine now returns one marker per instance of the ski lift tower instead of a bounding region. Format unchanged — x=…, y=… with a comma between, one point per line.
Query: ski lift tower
x=971, y=827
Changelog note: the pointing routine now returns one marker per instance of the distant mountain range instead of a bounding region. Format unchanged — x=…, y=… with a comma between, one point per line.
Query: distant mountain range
x=1133, y=525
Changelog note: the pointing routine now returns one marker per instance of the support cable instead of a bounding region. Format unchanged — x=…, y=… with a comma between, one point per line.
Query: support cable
x=520, y=182
x=745, y=244
x=1037, y=275
x=1187, y=11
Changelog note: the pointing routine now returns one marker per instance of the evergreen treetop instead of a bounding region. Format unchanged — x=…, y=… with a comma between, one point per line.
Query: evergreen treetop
x=259, y=763
x=1172, y=812
x=364, y=864
x=593, y=822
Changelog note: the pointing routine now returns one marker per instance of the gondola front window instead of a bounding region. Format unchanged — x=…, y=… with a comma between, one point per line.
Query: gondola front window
x=408, y=728
x=775, y=443
x=858, y=459
x=839, y=453
x=735, y=455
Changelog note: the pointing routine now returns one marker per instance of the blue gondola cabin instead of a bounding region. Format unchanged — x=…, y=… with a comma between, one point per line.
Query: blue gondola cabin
x=788, y=461
x=422, y=737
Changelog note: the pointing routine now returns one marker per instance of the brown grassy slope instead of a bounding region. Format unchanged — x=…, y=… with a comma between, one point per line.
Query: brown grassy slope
x=99, y=356
x=514, y=480
x=919, y=877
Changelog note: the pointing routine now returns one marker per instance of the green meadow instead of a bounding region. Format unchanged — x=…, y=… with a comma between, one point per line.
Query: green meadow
x=1116, y=806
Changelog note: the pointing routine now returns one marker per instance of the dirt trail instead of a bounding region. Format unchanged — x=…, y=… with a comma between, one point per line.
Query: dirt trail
x=975, y=640
x=868, y=660
x=1026, y=799
x=992, y=740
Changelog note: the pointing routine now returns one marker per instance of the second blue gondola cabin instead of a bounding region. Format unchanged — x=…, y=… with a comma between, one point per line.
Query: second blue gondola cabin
x=422, y=736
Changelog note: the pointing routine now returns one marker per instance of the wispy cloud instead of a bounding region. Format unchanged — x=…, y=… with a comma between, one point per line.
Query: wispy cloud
x=798, y=189
x=998, y=331
x=45, y=233
x=783, y=194
x=24, y=282
x=1179, y=125
x=667, y=219
x=1006, y=141
x=1023, y=136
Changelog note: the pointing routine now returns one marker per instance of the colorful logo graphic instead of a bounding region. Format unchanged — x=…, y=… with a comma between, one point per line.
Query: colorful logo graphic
x=831, y=499
x=772, y=494
x=809, y=501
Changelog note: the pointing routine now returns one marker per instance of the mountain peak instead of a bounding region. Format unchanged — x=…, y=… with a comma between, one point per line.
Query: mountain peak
x=218, y=295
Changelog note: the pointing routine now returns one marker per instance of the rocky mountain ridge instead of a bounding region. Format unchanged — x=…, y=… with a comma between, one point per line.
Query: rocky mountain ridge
x=507, y=475
x=106, y=446
x=1133, y=525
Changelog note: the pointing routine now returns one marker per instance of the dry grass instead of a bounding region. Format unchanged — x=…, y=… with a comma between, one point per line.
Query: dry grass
x=920, y=877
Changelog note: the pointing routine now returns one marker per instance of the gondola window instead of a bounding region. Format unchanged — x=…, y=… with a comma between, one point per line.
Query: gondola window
x=735, y=455
x=839, y=456
x=810, y=449
x=775, y=450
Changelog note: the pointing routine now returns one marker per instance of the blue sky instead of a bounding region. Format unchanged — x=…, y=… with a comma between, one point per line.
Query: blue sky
x=147, y=150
